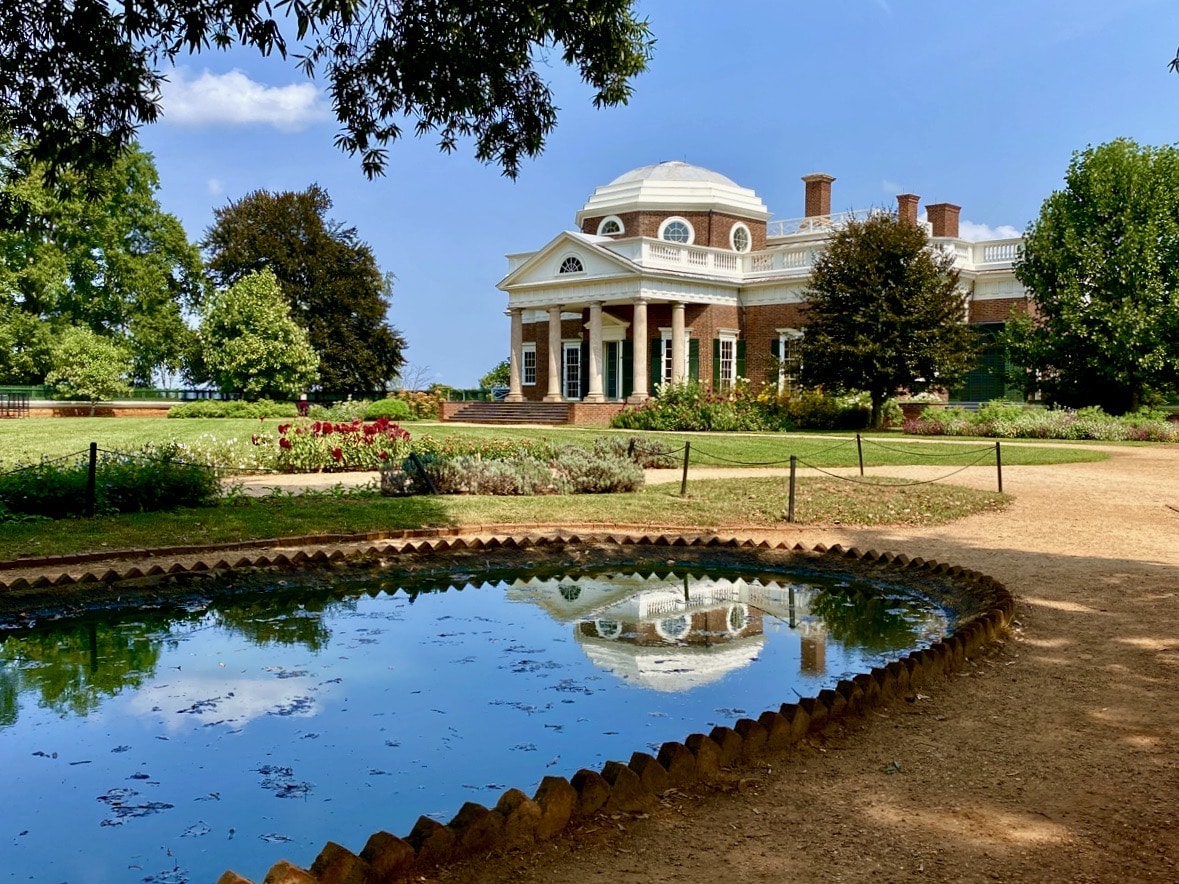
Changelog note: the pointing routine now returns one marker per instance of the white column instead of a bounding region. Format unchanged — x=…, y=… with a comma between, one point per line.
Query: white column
x=554, y=392
x=595, y=354
x=639, y=362
x=677, y=343
x=516, y=357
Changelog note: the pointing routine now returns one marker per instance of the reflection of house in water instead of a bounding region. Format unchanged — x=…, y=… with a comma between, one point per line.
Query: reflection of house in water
x=671, y=632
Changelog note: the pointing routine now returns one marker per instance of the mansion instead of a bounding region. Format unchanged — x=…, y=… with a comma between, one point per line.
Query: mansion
x=676, y=272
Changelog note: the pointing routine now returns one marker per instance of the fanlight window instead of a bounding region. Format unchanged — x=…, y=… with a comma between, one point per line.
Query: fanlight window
x=572, y=265
x=610, y=227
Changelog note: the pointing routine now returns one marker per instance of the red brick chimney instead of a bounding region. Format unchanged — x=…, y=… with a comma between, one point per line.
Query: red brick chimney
x=818, y=194
x=943, y=217
x=907, y=207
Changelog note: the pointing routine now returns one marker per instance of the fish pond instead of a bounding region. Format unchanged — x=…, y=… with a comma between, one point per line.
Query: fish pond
x=255, y=720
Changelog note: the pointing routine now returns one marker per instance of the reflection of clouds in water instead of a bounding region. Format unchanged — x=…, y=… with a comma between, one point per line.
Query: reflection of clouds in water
x=189, y=702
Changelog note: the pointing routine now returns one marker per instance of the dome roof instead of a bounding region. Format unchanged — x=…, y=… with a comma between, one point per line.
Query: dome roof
x=674, y=170
x=673, y=187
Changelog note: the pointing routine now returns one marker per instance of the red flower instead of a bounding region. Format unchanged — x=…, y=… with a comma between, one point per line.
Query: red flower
x=384, y=455
x=282, y=429
x=284, y=442
x=254, y=439
x=337, y=454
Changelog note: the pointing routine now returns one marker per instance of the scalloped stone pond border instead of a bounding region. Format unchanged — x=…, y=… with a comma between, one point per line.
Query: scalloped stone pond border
x=633, y=786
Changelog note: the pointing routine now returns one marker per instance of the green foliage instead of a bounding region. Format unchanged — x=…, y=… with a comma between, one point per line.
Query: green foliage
x=392, y=408
x=79, y=78
x=250, y=346
x=86, y=366
x=648, y=453
x=344, y=410
x=473, y=475
x=689, y=406
x=884, y=314
x=505, y=448
x=819, y=410
x=423, y=404
x=235, y=408
x=152, y=479
x=1007, y=420
x=500, y=376
x=97, y=251
x=25, y=346
x=328, y=276
x=1102, y=265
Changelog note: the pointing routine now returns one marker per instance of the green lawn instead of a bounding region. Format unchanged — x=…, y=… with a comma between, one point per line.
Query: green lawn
x=30, y=439
x=709, y=504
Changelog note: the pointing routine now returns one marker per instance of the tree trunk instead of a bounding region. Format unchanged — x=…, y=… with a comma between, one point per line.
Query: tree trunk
x=877, y=413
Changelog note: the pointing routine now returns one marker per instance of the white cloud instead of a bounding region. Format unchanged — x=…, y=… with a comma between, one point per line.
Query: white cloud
x=234, y=99
x=216, y=186
x=891, y=187
x=968, y=230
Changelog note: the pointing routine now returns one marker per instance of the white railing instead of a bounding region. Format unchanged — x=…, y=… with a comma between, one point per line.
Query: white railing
x=1005, y=252
x=654, y=253
x=816, y=223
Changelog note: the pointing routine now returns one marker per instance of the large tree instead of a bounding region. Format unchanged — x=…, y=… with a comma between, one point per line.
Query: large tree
x=79, y=76
x=249, y=346
x=885, y=314
x=328, y=274
x=97, y=251
x=1102, y=265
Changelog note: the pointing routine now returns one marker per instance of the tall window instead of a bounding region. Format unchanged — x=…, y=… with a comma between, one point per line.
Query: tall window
x=528, y=367
x=665, y=342
x=572, y=365
x=789, y=355
x=727, y=353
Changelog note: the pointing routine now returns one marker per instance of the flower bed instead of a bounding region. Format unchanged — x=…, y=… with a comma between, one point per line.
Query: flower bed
x=328, y=446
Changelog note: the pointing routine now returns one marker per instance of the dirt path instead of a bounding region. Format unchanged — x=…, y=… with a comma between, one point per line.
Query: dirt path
x=1053, y=758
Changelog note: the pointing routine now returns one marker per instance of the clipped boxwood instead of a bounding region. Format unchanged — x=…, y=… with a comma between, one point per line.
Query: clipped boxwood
x=233, y=408
x=394, y=409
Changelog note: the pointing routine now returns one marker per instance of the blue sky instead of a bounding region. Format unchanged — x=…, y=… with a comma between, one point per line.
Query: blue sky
x=981, y=105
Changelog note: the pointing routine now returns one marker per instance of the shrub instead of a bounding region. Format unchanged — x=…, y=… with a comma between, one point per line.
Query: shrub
x=154, y=478
x=1006, y=420
x=239, y=408
x=596, y=472
x=393, y=409
x=345, y=410
x=473, y=475
x=429, y=447
x=819, y=410
x=688, y=407
x=648, y=453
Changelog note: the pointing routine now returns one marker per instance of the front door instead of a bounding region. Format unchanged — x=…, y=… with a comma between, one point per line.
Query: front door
x=572, y=369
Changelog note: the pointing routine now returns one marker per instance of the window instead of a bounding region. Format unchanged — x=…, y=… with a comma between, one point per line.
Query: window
x=572, y=366
x=528, y=368
x=727, y=361
x=611, y=226
x=788, y=352
x=665, y=342
x=677, y=230
x=572, y=264
x=740, y=238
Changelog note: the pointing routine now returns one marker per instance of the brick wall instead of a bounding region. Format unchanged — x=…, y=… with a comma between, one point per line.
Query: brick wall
x=760, y=329
x=997, y=309
x=712, y=228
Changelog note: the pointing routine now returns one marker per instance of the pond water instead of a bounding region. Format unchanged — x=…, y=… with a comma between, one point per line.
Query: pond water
x=251, y=727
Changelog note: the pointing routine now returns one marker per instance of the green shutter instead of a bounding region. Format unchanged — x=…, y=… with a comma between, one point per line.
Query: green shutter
x=716, y=378
x=628, y=369
x=655, y=357
x=584, y=380
x=741, y=358
x=693, y=360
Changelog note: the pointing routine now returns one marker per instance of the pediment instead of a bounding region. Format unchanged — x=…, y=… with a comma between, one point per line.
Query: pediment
x=556, y=262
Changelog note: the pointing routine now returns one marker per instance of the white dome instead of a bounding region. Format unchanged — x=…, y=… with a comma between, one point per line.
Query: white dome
x=673, y=187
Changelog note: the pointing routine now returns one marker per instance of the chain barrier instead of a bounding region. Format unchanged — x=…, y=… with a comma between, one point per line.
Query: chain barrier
x=856, y=481
x=911, y=450
x=44, y=462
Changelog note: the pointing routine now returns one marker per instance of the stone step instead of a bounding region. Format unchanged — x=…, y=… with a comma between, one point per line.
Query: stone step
x=513, y=413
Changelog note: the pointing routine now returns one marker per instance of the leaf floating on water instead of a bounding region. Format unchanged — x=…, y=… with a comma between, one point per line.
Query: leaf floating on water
x=196, y=830
x=212, y=796
x=274, y=838
x=120, y=749
x=393, y=744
